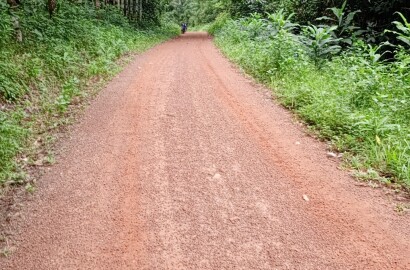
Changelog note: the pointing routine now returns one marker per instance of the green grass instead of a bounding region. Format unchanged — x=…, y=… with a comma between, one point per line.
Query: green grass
x=12, y=134
x=361, y=105
x=60, y=62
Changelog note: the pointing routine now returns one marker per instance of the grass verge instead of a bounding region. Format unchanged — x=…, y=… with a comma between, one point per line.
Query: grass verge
x=59, y=64
x=359, y=104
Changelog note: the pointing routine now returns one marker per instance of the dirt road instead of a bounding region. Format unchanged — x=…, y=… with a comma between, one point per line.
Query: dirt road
x=183, y=163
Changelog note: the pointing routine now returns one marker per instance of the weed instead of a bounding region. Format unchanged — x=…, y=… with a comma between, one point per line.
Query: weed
x=6, y=251
x=401, y=208
x=49, y=159
x=321, y=43
x=29, y=188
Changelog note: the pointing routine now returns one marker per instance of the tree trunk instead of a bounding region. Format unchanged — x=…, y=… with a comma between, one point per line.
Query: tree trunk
x=134, y=9
x=13, y=3
x=16, y=23
x=140, y=10
x=51, y=5
x=129, y=9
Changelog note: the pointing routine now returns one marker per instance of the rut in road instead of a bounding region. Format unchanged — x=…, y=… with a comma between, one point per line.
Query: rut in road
x=184, y=163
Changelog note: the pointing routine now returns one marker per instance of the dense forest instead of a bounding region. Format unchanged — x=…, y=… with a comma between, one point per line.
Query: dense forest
x=342, y=66
x=374, y=15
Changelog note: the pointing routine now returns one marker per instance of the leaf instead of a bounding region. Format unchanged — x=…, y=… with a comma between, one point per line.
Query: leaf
x=324, y=18
x=38, y=34
x=347, y=41
x=332, y=49
x=350, y=17
x=344, y=5
x=404, y=39
x=378, y=141
x=401, y=27
x=359, y=32
x=332, y=28
x=338, y=13
x=403, y=18
x=331, y=155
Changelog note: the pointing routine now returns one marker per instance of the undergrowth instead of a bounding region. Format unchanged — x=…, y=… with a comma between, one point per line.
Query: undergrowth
x=344, y=90
x=51, y=69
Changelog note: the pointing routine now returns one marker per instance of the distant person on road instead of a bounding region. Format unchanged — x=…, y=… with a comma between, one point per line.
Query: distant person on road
x=184, y=27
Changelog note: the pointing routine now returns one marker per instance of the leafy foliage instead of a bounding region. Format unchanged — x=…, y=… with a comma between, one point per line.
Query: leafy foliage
x=352, y=96
x=344, y=23
x=220, y=21
x=196, y=12
x=374, y=17
x=403, y=28
x=281, y=22
x=321, y=43
x=49, y=70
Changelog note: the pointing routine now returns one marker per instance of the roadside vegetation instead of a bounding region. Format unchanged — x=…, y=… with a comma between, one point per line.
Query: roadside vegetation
x=343, y=67
x=355, y=93
x=52, y=56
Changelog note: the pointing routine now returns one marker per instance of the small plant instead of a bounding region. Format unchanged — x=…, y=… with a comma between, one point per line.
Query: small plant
x=49, y=159
x=6, y=251
x=321, y=43
x=255, y=26
x=373, y=52
x=70, y=90
x=29, y=188
x=278, y=22
x=401, y=208
x=368, y=175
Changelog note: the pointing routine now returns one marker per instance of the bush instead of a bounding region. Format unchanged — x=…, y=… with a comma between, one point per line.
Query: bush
x=218, y=23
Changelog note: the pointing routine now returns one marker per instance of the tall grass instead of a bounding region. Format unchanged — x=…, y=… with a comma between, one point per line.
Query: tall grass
x=50, y=70
x=352, y=98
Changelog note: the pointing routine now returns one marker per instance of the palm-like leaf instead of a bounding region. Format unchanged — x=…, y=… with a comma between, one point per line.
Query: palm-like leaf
x=404, y=29
x=280, y=22
x=321, y=43
x=345, y=28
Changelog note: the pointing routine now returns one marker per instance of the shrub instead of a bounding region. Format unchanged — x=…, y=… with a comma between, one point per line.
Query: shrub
x=219, y=22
